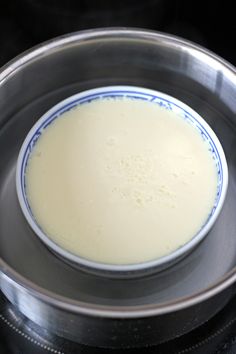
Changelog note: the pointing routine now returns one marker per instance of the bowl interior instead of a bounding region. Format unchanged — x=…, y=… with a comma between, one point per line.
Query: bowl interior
x=135, y=93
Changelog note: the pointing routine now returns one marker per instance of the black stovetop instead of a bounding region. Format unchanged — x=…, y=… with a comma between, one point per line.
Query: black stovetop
x=20, y=336
x=27, y=22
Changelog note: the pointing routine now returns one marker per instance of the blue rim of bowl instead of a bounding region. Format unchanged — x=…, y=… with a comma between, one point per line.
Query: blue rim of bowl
x=132, y=92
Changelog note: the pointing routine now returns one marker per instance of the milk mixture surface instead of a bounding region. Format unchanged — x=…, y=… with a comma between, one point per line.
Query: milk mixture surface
x=120, y=181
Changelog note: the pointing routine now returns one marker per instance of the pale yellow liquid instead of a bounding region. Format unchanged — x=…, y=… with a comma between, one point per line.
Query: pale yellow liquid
x=121, y=181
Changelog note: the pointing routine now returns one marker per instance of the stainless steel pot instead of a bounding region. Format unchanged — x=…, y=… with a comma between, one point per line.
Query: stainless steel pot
x=84, y=307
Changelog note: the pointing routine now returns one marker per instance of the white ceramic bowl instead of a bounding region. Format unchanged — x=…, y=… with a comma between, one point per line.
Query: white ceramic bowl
x=165, y=101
